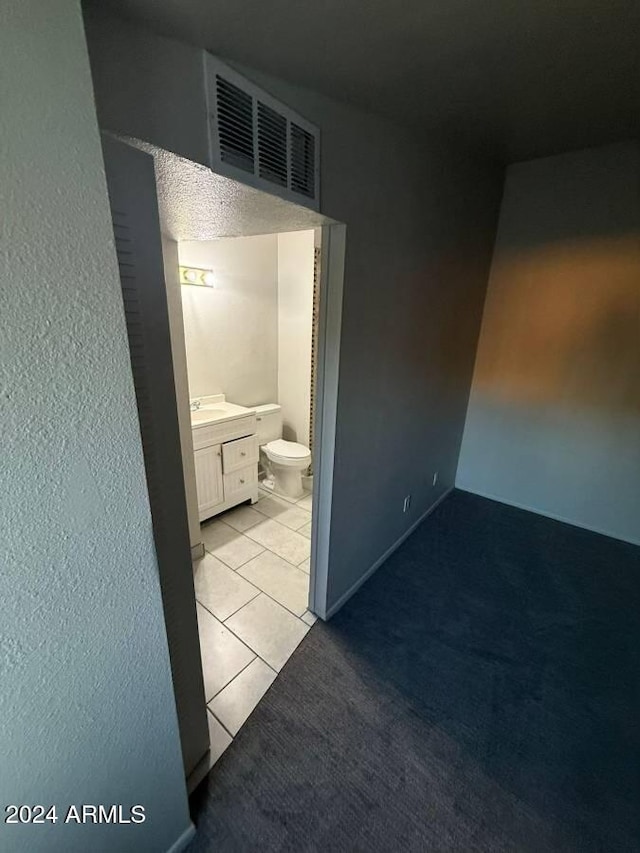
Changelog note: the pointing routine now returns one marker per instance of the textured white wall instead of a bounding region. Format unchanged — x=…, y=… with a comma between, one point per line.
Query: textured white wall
x=295, y=318
x=86, y=707
x=554, y=414
x=231, y=330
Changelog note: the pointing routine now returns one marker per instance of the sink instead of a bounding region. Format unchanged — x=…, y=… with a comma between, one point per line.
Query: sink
x=201, y=415
x=214, y=411
x=218, y=411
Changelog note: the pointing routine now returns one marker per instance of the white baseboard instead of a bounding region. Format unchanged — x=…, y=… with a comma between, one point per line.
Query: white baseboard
x=551, y=515
x=356, y=586
x=183, y=841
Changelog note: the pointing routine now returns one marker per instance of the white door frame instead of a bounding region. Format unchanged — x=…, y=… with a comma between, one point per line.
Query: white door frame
x=332, y=257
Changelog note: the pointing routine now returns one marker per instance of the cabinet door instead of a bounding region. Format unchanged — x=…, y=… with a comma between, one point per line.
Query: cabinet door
x=208, y=478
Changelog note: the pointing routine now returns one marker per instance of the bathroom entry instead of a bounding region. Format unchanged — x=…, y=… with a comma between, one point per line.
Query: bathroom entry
x=251, y=337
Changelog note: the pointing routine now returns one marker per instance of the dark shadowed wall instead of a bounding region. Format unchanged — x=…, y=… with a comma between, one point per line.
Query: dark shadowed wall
x=554, y=414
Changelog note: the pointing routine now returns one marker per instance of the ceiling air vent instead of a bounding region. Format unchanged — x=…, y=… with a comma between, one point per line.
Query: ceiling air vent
x=272, y=145
x=258, y=140
x=235, y=125
x=303, y=156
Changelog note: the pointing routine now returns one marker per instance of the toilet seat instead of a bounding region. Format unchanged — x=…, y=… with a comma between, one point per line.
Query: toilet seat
x=287, y=452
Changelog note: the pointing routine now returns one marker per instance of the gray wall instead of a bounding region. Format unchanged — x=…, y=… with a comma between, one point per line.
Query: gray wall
x=420, y=225
x=420, y=229
x=163, y=99
x=554, y=416
x=87, y=712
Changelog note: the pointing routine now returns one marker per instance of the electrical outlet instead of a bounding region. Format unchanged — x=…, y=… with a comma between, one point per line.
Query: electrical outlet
x=435, y=477
x=406, y=503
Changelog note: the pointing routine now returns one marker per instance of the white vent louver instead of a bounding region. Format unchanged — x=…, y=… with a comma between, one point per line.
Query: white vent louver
x=258, y=140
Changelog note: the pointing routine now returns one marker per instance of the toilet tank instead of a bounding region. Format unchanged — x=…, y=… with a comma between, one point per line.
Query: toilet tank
x=269, y=422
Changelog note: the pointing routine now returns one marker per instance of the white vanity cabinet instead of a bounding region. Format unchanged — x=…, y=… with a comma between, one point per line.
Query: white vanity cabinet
x=209, y=483
x=226, y=461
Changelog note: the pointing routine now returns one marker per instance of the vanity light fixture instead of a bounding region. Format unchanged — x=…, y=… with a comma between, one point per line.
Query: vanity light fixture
x=194, y=275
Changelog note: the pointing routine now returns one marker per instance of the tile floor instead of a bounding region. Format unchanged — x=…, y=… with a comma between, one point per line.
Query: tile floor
x=252, y=589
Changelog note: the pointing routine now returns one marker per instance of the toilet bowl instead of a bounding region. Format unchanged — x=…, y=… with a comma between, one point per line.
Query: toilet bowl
x=285, y=461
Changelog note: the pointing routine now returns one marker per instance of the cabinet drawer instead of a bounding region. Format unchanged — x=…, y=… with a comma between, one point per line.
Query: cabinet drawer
x=240, y=481
x=239, y=454
x=203, y=436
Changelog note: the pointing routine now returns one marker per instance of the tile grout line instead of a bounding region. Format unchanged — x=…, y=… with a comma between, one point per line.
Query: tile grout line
x=219, y=721
x=259, y=554
x=238, y=609
x=264, y=548
x=275, y=672
x=275, y=600
x=239, y=672
x=288, y=562
x=239, y=639
x=274, y=518
x=269, y=493
x=270, y=518
x=211, y=554
x=260, y=590
x=256, y=656
x=222, y=621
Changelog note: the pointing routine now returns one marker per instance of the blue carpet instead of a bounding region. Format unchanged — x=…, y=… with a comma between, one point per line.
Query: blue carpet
x=480, y=693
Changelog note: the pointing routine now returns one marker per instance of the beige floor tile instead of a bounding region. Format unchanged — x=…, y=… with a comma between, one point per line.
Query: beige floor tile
x=223, y=655
x=270, y=630
x=306, y=502
x=309, y=617
x=279, y=579
x=233, y=705
x=282, y=511
x=241, y=518
x=265, y=492
x=219, y=739
x=305, y=565
x=286, y=543
x=306, y=530
x=227, y=544
x=221, y=590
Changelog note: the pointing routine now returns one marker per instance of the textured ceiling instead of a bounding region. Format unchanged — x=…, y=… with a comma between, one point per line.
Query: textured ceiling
x=519, y=78
x=197, y=204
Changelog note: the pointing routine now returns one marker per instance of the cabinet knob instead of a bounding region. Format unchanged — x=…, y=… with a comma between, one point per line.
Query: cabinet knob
x=242, y=453
x=242, y=482
x=258, y=419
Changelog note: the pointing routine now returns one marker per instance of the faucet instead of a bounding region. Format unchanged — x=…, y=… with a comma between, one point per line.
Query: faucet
x=194, y=405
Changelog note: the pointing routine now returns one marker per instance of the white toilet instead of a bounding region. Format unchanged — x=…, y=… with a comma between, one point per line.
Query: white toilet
x=285, y=461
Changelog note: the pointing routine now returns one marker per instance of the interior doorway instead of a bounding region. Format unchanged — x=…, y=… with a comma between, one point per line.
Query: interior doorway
x=238, y=483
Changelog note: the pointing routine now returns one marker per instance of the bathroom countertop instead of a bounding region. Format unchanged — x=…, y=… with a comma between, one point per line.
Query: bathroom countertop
x=216, y=409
